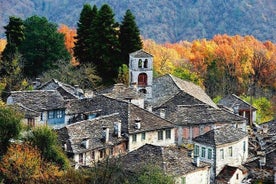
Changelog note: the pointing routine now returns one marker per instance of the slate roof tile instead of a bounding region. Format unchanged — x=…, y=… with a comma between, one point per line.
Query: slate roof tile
x=91, y=130
x=140, y=54
x=202, y=114
x=172, y=159
x=38, y=100
x=233, y=100
x=167, y=86
x=221, y=135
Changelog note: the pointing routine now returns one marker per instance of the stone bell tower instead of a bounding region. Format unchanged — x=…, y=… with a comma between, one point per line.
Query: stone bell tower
x=141, y=72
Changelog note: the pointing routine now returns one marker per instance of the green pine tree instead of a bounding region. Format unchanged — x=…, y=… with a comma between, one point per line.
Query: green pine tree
x=129, y=37
x=85, y=32
x=42, y=47
x=106, y=45
x=15, y=36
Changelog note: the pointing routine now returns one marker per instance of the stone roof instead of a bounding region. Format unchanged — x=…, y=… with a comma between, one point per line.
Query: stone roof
x=140, y=54
x=38, y=100
x=166, y=87
x=91, y=130
x=271, y=126
x=66, y=90
x=233, y=100
x=122, y=92
x=202, y=114
x=220, y=136
x=171, y=159
x=27, y=112
x=128, y=113
x=227, y=173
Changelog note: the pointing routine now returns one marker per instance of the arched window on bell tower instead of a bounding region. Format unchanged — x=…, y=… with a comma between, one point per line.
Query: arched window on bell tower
x=142, y=79
x=140, y=63
x=146, y=63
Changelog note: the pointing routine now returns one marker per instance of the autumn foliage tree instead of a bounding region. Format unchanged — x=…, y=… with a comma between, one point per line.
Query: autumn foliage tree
x=10, y=126
x=23, y=164
x=69, y=40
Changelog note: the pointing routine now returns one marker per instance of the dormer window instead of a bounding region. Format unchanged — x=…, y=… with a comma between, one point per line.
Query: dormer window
x=140, y=63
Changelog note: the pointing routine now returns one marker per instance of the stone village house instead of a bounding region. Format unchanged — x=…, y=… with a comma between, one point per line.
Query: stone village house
x=138, y=125
x=40, y=107
x=222, y=146
x=239, y=106
x=173, y=160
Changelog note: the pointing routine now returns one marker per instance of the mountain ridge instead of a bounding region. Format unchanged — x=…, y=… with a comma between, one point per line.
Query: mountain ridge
x=163, y=21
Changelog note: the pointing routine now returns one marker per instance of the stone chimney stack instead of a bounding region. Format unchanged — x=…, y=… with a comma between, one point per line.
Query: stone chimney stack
x=105, y=134
x=162, y=113
x=196, y=161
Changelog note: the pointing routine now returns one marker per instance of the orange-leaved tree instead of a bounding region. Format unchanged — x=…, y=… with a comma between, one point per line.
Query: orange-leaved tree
x=23, y=164
x=69, y=40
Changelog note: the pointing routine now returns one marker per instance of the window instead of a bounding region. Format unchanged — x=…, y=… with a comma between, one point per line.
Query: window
x=244, y=146
x=92, y=155
x=196, y=151
x=140, y=63
x=102, y=153
x=146, y=63
x=210, y=154
x=230, y=151
x=143, y=136
x=59, y=114
x=168, y=134
x=142, y=79
x=221, y=154
x=31, y=122
x=81, y=158
x=134, y=138
x=160, y=135
x=203, y=152
x=51, y=114
x=237, y=176
x=41, y=116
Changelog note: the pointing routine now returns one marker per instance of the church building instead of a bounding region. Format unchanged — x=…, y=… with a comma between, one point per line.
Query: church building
x=141, y=72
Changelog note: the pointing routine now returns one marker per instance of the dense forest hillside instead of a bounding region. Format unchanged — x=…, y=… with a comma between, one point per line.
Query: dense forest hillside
x=166, y=20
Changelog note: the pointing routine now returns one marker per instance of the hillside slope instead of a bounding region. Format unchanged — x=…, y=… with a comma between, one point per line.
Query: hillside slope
x=166, y=20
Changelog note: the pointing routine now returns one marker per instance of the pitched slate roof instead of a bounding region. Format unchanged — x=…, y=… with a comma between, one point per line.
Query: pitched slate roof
x=122, y=92
x=168, y=86
x=227, y=173
x=38, y=100
x=202, y=114
x=140, y=54
x=233, y=100
x=91, y=130
x=66, y=90
x=128, y=113
x=220, y=136
x=28, y=113
x=172, y=160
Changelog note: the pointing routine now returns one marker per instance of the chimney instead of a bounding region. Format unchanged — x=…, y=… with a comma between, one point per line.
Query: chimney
x=137, y=123
x=85, y=143
x=117, y=129
x=105, y=134
x=236, y=109
x=149, y=108
x=37, y=82
x=162, y=113
x=196, y=161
